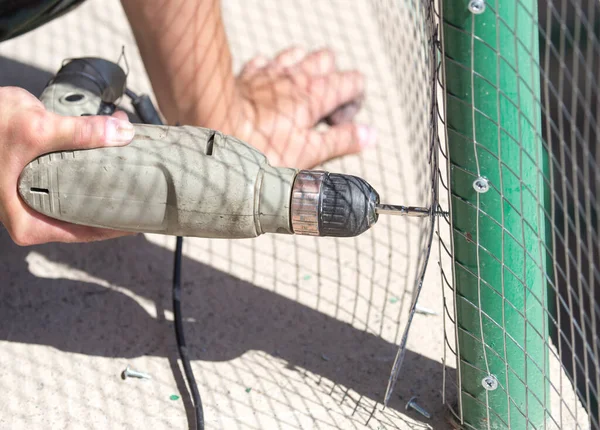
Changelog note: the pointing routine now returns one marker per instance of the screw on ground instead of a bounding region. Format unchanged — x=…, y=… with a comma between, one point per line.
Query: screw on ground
x=413, y=405
x=423, y=310
x=128, y=373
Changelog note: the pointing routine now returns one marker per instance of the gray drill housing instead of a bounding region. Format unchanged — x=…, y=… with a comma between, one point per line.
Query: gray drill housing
x=184, y=181
x=153, y=185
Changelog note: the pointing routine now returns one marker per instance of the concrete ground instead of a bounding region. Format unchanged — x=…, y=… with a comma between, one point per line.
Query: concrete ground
x=284, y=332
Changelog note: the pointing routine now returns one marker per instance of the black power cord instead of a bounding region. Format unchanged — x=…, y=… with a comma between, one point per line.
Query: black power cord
x=147, y=112
x=144, y=108
x=181, y=345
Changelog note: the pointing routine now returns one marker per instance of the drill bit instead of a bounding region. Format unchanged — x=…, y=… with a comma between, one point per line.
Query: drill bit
x=413, y=211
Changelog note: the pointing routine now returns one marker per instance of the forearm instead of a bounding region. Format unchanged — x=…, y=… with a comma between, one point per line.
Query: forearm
x=184, y=48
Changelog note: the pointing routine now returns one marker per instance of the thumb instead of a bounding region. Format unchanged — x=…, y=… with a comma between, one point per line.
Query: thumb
x=346, y=139
x=85, y=132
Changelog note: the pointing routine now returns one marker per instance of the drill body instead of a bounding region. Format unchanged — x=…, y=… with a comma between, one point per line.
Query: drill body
x=185, y=181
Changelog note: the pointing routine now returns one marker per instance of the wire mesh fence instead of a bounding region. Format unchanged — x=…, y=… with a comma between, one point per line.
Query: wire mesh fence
x=488, y=109
x=520, y=80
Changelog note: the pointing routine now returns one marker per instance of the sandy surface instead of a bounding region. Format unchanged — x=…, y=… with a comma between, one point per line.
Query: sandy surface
x=284, y=332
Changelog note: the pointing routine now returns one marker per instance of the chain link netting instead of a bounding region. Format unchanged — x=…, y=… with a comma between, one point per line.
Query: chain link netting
x=297, y=332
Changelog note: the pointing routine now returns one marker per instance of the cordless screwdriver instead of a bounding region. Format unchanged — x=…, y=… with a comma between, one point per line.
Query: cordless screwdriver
x=184, y=181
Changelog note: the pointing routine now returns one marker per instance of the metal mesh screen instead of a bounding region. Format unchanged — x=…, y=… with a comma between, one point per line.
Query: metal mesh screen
x=284, y=332
x=521, y=99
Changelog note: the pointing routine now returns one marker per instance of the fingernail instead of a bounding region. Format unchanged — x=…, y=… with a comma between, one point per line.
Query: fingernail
x=367, y=136
x=118, y=131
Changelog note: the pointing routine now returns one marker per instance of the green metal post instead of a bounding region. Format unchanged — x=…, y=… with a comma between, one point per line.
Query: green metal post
x=500, y=243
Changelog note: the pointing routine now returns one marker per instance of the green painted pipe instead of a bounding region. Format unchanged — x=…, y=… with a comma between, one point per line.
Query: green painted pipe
x=500, y=239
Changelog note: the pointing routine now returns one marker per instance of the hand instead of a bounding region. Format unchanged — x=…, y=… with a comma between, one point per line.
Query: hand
x=278, y=103
x=27, y=131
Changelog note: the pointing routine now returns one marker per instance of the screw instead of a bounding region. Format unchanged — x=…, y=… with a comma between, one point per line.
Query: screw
x=425, y=311
x=477, y=6
x=128, y=373
x=412, y=404
x=490, y=383
x=481, y=185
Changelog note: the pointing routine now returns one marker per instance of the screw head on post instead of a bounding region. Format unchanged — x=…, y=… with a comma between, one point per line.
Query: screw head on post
x=477, y=6
x=490, y=383
x=481, y=185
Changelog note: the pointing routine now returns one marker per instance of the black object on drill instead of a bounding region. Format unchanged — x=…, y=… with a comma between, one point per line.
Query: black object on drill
x=101, y=77
x=144, y=108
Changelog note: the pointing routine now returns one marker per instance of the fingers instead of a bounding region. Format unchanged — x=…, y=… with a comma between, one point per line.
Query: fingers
x=335, y=94
x=253, y=66
x=344, y=139
x=345, y=113
x=87, y=132
x=330, y=92
x=68, y=234
x=290, y=57
x=268, y=69
x=318, y=63
x=32, y=228
x=59, y=133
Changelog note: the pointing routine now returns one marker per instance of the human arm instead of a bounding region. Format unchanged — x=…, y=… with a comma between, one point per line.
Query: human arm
x=273, y=104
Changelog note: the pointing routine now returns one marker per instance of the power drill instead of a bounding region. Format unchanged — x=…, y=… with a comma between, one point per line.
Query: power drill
x=184, y=181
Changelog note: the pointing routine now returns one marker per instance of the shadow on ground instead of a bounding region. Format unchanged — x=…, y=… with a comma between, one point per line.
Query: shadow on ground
x=230, y=316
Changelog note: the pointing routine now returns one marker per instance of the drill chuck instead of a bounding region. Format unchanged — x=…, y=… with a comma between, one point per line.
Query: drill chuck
x=331, y=204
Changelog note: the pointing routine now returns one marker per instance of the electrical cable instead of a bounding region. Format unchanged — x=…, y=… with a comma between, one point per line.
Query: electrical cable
x=181, y=345
x=147, y=113
x=132, y=96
